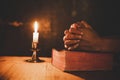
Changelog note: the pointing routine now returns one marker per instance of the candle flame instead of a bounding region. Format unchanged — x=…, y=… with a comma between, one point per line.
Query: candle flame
x=36, y=26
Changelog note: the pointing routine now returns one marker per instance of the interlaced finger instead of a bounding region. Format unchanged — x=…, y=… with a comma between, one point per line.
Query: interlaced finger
x=71, y=42
x=73, y=47
x=72, y=37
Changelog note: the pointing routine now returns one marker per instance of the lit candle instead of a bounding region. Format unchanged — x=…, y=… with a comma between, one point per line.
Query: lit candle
x=35, y=33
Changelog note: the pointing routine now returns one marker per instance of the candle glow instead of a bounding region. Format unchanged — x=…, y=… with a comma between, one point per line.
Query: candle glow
x=35, y=33
x=36, y=26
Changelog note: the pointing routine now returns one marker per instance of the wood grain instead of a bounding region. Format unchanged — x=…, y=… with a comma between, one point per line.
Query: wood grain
x=15, y=68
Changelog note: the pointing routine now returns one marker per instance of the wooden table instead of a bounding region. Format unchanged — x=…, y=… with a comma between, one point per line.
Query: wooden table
x=15, y=68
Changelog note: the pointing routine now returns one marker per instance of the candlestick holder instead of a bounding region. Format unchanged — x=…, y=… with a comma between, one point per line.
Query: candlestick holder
x=35, y=57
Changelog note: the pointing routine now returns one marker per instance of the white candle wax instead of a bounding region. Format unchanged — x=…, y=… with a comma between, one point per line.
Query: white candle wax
x=35, y=37
x=35, y=33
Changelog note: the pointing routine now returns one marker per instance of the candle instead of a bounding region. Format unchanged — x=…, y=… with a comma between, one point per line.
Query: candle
x=35, y=33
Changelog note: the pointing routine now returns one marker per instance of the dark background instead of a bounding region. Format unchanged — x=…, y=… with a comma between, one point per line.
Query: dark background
x=54, y=16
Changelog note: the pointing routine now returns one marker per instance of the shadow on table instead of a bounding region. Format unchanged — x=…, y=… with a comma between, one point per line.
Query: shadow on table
x=97, y=75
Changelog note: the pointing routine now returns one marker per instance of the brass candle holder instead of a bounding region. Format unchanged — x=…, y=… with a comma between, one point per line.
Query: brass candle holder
x=35, y=50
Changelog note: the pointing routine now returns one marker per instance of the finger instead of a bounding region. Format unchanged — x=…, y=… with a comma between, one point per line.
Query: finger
x=76, y=31
x=71, y=42
x=80, y=25
x=88, y=26
x=71, y=37
x=66, y=46
x=73, y=47
x=75, y=26
x=85, y=24
x=66, y=31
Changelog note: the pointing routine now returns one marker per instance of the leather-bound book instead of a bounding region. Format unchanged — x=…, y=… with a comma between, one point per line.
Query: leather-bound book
x=81, y=61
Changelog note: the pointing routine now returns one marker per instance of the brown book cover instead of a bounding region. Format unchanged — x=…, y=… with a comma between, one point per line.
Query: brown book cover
x=81, y=61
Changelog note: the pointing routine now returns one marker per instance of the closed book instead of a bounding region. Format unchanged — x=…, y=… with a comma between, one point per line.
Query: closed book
x=81, y=61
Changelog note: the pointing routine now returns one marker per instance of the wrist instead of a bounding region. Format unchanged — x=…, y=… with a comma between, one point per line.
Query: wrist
x=106, y=45
x=99, y=44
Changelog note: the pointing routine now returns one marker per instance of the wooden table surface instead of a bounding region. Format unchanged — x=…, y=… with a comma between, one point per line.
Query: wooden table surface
x=15, y=68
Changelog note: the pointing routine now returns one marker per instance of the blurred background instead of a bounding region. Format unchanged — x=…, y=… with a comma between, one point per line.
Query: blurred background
x=54, y=16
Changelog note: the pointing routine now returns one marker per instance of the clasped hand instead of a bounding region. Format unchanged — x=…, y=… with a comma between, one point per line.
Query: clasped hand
x=81, y=36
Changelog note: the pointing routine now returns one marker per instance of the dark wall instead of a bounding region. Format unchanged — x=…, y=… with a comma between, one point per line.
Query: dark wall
x=55, y=16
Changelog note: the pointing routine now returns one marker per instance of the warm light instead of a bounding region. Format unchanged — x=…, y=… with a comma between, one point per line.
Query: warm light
x=35, y=34
x=36, y=26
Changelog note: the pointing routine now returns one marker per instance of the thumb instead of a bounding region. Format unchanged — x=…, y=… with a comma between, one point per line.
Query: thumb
x=86, y=25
